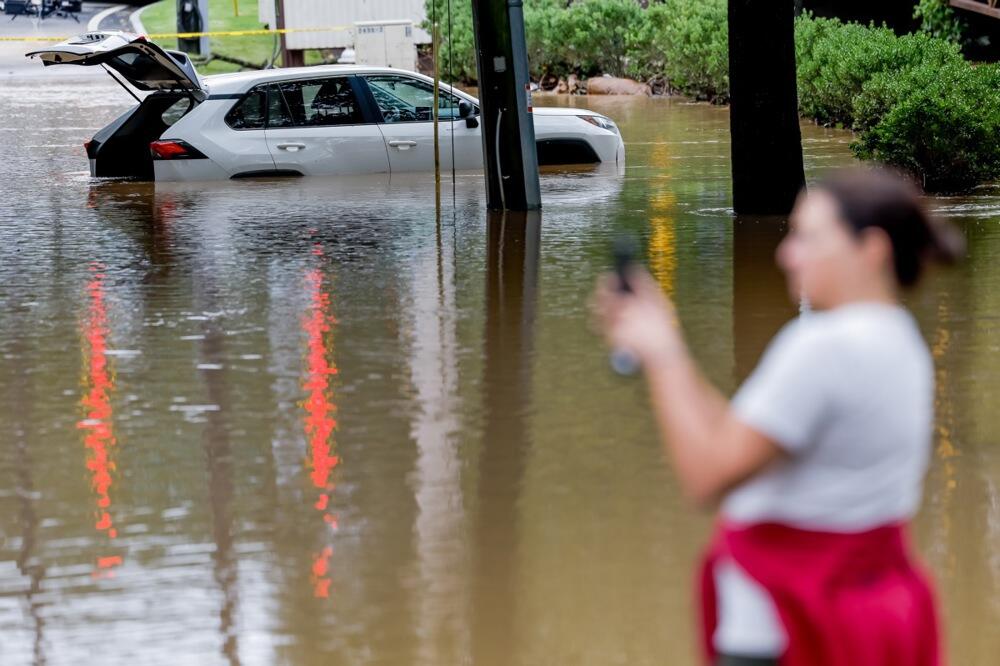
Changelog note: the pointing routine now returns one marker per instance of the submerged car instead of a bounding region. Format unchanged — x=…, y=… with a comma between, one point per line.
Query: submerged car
x=309, y=121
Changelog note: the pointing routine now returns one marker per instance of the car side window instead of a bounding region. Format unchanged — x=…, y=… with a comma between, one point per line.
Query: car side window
x=250, y=112
x=278, y=113
x=321, y=102
x=403, y=99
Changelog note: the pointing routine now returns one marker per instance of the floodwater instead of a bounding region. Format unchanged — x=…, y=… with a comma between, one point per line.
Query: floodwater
x=312, y=422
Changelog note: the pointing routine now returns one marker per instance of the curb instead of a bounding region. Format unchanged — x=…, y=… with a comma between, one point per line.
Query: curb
x=136, y=21
x=94, y=24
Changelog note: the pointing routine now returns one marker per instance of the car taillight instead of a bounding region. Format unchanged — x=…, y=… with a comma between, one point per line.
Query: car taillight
x=172, y=149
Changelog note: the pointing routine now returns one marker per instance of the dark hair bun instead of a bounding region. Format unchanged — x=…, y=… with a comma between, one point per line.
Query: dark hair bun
x=883, y=199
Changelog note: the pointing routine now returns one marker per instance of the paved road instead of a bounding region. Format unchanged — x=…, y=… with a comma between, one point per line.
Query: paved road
x=12, y=60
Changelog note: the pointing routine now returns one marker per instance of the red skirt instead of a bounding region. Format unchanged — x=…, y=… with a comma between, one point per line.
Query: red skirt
x=844, y=599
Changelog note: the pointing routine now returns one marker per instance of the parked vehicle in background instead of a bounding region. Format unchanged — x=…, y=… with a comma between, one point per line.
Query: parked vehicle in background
x=327, y=120
x=42, y=8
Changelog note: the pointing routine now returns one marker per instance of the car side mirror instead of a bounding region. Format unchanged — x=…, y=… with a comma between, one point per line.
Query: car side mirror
x=467, y=111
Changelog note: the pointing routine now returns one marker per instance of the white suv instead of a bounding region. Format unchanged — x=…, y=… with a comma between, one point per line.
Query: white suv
x=326, y=120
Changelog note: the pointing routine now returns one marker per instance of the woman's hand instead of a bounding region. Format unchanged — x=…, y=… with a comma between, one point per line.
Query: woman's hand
x=642, y=322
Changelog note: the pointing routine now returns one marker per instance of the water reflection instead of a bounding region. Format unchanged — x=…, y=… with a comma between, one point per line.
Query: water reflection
x=761, y=303
x=29, y=562
x=98, y=424
x=319, y=407
x=219, y=460
x=504, y=498
x=219, y=417
x=512, y=257
x=662, y=246
x=442, y=607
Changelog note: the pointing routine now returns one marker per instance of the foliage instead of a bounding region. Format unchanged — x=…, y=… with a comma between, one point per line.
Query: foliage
x=938, y=123
x=938, y=19
x=600, y=34
x=913, y=101
x=457, y=45
x=688, y=43
x=835, y=60
x=544, y=23
x=684, y=40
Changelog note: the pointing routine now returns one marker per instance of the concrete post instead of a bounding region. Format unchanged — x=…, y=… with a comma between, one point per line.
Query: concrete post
x=511, y=163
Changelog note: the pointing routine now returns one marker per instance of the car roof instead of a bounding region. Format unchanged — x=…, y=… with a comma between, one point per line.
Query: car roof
x=242, y=81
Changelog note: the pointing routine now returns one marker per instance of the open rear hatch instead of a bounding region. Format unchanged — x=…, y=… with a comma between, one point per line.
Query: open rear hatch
x=140, y=62
x=122, y=149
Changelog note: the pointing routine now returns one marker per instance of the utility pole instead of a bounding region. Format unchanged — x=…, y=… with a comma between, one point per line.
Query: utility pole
x=763, y=110
x=510, y=160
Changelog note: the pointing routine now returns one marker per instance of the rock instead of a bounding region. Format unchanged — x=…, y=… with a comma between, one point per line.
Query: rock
x=574, y=86
x=658, y=86
x=548, y=82
x=610, y=85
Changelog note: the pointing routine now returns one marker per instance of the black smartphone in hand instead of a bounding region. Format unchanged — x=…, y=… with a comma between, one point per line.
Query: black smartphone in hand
x=624, y=253
x=624, y=256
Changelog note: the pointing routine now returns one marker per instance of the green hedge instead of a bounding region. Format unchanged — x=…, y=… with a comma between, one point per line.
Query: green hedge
x=835, y=60
x=940, y=123
x=683, y=40
x=913, y=101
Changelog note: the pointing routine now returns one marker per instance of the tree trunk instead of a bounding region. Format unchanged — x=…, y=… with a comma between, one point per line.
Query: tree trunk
x=764, y=119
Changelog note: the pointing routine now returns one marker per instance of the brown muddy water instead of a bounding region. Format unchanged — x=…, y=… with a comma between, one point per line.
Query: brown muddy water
x=311, y=422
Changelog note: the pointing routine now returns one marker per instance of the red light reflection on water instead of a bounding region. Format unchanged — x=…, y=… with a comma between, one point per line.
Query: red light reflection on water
x=319, y=409
x=99, y=437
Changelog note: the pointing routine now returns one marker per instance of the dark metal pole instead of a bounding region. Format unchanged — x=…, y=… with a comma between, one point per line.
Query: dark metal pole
x=763, y=109
x=511, y=164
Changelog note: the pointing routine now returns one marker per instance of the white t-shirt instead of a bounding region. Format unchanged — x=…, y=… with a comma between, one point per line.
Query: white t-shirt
x=848, y=394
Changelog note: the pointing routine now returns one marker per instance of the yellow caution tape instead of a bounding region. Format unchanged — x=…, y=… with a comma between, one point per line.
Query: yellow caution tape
x=190, y=35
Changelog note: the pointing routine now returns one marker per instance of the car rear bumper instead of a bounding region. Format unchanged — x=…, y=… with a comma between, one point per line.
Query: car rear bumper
x=187, y=170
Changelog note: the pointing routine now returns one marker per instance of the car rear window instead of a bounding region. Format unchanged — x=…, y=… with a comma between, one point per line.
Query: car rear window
x=250, y=112
x=176, y=111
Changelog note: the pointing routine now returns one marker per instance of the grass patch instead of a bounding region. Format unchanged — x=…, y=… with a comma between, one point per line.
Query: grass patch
x=161, y=17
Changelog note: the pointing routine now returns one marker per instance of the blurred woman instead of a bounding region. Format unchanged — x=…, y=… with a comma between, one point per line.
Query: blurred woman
x=819, y=459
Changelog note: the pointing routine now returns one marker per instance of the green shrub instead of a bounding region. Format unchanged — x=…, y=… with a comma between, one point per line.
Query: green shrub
x=938, y=123
x=938, y=19
x=600, y=34
x=544, y=32
x=684, y=40
x=687, y=42
x=913, y=101
x=835, y=60
x=457, y=45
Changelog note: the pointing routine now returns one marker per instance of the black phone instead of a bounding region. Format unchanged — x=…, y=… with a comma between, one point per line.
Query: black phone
x=624, y=253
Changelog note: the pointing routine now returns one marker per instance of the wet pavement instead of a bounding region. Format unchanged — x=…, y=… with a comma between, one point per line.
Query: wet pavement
x=21, y=34
x=317, y=422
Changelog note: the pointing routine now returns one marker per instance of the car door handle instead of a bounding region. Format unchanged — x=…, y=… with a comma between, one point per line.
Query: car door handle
x=402, y=144
x=292, y=147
